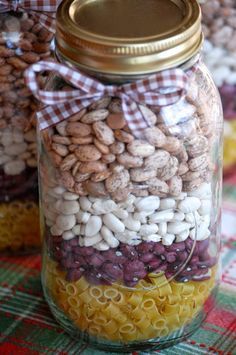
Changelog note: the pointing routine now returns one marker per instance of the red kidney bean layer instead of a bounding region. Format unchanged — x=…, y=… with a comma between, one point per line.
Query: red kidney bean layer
x=130, y=264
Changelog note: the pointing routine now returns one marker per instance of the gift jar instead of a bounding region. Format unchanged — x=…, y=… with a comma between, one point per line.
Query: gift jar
x=130, y=138
x=25, y=38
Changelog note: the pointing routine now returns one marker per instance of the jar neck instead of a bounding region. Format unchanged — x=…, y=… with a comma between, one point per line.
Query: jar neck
x=119, y=79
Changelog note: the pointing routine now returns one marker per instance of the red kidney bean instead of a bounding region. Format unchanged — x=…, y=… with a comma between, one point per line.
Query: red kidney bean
x=85, y=251
x=95, y=278
x=177, y=247
x=68, y=262
x=66, y=246
x=73, y=274
x=174, y=266
x=131, y=283
x=59, y=254
x=95, y=260
x=170, y=257
x=204, y=256
x=162, y=267
x=129, y=251
x=159, y=249
x=203, y=245
x=135, y=276
x=194, y=260
x=80, y=259
x=146, y=257
x=154, y=263
x=112, y=272
x=190, y=270
x=168, y=274
x=115, y=256
x=189, y=244
x=73, y=242
x=132, y=266
x=145, y=247
x=183, y=256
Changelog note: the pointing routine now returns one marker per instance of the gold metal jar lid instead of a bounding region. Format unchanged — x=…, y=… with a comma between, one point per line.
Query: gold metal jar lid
x=128, y=37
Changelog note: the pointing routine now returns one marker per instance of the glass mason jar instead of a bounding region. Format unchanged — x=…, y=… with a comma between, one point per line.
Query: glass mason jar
x=131, y=224
x=23, y=41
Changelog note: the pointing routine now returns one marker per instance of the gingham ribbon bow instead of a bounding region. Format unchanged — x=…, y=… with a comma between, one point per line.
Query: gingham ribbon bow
x=34, y=7
x=161, y=89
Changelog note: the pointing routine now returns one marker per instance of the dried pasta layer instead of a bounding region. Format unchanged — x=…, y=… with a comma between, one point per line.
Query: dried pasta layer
x=154, y=308
x=19, y=226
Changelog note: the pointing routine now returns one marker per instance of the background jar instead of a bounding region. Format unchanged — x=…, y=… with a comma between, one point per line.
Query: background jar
x=23, y=41
x=219, y=19
x=132, y=225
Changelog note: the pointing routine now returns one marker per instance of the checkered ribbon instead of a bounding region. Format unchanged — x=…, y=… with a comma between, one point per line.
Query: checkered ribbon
x=35, y=8
x=160, y=89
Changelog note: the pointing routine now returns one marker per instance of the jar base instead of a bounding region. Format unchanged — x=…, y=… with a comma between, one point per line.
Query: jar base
x=144, y=345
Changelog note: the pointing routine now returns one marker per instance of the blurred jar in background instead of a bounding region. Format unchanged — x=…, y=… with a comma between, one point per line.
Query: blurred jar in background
x=219, y=26
x=25, y=38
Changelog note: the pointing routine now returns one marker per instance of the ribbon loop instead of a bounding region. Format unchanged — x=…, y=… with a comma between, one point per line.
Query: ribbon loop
x=160, y=89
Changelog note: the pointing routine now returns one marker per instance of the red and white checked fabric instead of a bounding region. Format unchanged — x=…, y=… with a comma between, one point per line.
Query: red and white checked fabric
x=36, y=8
x=160, y=89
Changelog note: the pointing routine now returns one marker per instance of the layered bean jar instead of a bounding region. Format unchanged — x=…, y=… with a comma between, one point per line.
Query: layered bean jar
x=130, y=169
x=23, y=40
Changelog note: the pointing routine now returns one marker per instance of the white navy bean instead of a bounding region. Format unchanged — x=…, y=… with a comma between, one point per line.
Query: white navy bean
x=189, y=204
x=113, y=223
x=68, y=207
x=49, y=222
x=132, y=224
x=162, y=228
x=181, y=237
x=205, y=207
x=162, y=216
x=152, y=238
x=58, y=190
x=104, y=206
x=101, y=246
x=68, y=235
x=178, y=217
x=150, y=203
x=81, y=242
x=70, y=196
x=88, y=242
x=134, y=241
x=55, y=230
x=109, y=238
x=177, y=227
x=141, y=216
x=122, y=214
x=65, y=222
x=203, y=191
x=93, y=226
x=85, y=204
x=148, y=229
x=82, y=217
x=168, y=239
x=76, y=229
x=167, y=203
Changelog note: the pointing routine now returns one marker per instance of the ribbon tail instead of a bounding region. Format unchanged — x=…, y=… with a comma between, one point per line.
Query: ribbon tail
x=52, y=115
x=133, y=116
